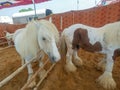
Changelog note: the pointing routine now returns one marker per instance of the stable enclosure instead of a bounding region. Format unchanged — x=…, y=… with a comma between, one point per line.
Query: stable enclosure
x=58, y=79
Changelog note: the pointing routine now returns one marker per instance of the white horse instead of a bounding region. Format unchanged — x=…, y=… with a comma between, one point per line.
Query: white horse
x=9, y=37
x=39, y=35
x=105, y=40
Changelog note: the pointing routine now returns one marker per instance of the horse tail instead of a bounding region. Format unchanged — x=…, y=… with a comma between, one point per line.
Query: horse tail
x=63, y=46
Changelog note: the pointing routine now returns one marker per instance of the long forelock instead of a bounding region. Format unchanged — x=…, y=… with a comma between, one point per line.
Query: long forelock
x=51, y=29
x=31, y=26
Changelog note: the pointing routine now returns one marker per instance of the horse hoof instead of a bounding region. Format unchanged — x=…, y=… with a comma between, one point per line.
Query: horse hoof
x=32, y=84
x=70, y=68
x=78, y=62
x=101, y=67
x=42, y=73
x=107, y=81
x=35, y=88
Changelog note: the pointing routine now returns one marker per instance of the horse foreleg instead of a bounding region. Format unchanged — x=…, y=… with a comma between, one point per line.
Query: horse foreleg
x=30, y=74
x=69, y=64
x=77, y=60
x=41, y=65
x=43, y=71
x=106, y=79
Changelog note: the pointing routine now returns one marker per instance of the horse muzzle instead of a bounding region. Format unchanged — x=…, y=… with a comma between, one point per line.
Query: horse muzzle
x=53, y=58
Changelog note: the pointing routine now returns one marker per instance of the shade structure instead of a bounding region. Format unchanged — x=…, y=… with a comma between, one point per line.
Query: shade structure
x=106, y=2
x=13, y=3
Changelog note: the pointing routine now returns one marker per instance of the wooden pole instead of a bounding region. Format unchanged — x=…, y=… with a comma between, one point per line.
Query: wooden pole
x=3, y=82
x=44, y=77
x=33, y=77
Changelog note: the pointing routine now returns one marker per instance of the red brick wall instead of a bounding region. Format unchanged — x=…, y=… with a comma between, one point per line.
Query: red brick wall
x=96, y=17
x=9, y=27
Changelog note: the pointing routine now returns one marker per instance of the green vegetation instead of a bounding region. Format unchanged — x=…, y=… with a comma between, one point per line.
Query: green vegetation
x=25, y=10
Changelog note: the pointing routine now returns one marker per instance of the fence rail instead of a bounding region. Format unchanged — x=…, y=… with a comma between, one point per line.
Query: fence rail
x=11, y=76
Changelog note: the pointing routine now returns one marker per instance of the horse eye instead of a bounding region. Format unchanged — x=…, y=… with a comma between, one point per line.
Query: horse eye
x=43, y=38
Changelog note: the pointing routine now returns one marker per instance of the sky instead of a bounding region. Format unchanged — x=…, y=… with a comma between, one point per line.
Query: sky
x=57, y=6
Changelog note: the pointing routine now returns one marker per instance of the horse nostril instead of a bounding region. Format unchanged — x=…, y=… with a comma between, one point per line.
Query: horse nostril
x=53, y=58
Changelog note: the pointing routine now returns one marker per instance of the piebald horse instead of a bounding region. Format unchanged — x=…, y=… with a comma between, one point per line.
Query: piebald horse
x=39, y=35
x=105, y=40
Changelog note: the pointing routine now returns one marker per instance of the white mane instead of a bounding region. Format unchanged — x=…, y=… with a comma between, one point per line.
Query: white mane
x=52, y=28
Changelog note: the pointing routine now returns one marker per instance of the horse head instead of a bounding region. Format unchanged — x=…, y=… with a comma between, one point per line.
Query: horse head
x=47, y=40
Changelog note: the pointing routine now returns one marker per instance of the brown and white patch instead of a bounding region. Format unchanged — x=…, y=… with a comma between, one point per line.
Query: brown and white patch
x=116, y=53
x=81, y=40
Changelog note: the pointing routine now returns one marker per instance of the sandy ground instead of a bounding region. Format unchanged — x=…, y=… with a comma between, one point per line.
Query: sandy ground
x=83, y=79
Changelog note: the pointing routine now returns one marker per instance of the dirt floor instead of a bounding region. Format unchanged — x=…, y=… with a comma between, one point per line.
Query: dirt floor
x=83, y=79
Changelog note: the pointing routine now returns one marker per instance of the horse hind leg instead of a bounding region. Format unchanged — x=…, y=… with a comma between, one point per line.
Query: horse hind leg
x=106, y=79
x=77, y=60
